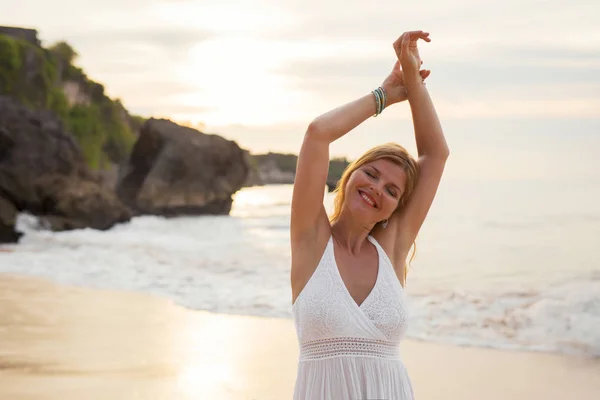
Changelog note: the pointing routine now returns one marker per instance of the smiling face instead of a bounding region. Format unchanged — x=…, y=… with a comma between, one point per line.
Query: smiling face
x=374, y=190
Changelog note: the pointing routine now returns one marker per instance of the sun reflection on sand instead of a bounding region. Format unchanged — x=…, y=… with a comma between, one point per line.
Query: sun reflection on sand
x=205, y=379
x=210, y=363
x=221, y=354
x=132, y=346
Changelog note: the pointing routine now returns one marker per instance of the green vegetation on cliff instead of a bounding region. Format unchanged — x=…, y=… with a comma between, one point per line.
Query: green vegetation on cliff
x=30, y=74
x=38, y=78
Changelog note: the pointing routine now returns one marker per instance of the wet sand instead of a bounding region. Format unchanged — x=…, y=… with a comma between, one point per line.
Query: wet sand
x=59, y=342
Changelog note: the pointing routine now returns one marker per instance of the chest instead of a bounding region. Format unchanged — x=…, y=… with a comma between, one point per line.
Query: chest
x=358, y=272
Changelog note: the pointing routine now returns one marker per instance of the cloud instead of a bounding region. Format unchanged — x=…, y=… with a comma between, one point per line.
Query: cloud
x=174, y=110
x=552, y=54
x=455, y=26
x=150, y=93
x=168, y=41
x=495, y=81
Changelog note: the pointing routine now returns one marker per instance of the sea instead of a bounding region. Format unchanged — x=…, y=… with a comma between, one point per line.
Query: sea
x=507, y=264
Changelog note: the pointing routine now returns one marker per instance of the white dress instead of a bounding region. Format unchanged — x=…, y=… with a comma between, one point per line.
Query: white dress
x=348, y=351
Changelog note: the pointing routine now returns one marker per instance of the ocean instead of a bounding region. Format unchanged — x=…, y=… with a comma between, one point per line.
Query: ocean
x=509, y=264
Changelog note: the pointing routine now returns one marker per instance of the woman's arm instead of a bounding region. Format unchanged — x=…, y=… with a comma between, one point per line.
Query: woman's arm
x=336, y=123
x=308, y=212
x=428, y=130
x=431, y=146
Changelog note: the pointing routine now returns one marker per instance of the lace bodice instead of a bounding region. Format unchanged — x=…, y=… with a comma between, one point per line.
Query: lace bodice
x=325, y=311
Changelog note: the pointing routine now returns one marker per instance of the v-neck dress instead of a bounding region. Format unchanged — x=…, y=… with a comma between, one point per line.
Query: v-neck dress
x=350, y=351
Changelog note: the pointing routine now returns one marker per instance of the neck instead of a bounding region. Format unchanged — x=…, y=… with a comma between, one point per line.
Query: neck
x=350, y=233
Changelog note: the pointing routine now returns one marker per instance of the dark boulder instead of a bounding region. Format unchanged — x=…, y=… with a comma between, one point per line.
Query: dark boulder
x=176, y=170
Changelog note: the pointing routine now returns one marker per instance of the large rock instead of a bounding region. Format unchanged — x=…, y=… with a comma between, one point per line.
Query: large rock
x=42, y=171
x=176, y=170
x=8, y=215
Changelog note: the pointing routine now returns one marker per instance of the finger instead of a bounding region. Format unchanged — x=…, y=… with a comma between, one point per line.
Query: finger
x=416, y=35
x=398, y=41
x=412, y=37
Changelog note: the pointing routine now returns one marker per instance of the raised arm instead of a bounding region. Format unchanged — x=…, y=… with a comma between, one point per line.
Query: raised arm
x=432, y=148
x=309, y=222
x=308, y=211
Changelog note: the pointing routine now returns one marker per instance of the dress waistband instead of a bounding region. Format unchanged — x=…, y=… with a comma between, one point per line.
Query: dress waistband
x=343, y=347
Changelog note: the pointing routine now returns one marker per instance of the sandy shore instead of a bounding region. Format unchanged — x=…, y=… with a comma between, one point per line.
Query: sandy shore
x=69, y=343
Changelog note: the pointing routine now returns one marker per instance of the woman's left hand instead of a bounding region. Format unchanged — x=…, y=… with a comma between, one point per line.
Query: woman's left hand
x=394, y=84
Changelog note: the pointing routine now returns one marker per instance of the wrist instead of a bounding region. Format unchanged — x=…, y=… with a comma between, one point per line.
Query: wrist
x=414, y=87
x=412, y=79
x=381, y=100
x=393, y=96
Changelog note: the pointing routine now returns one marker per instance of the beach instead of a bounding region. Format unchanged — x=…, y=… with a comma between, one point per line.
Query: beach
x=147, y=177
x=64, y=342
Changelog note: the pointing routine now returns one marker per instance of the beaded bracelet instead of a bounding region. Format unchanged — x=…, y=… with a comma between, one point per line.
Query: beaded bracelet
x=380, y=100
x=413, y=86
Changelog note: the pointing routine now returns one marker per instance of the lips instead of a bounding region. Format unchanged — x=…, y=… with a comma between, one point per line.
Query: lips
x=368, y=199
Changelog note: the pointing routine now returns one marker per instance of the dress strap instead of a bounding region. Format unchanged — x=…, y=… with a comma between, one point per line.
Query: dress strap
x=387, y=262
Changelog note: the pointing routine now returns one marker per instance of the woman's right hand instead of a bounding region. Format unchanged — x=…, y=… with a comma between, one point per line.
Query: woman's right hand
x=408, y=53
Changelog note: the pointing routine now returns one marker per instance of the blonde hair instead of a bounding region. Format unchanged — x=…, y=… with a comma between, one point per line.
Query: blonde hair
x=388, y=151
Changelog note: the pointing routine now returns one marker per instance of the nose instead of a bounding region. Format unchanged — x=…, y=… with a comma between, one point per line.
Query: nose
x=376, y=190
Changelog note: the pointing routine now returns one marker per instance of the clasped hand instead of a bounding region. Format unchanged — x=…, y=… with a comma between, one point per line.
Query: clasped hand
x=406, y=71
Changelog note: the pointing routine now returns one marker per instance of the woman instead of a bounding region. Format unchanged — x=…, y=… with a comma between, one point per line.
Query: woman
x=348, y=271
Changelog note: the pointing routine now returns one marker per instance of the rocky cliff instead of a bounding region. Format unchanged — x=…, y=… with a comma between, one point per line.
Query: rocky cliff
x=47, y=79
x=28, y=35
x=71, y=155
x=42, y=171
x=175, y=170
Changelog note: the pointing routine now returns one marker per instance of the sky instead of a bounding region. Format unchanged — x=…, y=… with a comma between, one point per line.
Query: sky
x=516, y=83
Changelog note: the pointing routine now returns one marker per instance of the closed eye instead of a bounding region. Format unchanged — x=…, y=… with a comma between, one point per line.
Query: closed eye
x=390, y=191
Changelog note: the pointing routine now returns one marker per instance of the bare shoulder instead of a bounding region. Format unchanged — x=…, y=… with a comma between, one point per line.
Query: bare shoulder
x=306, y=254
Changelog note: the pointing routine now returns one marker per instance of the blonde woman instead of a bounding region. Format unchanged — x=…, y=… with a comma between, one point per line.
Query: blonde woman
x=349, y=269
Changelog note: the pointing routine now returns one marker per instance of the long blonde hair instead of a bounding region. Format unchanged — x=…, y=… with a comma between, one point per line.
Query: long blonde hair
x=389, y=151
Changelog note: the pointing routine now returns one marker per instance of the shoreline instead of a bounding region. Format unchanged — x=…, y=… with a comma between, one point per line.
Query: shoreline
x=65, y=342
x=165, y=298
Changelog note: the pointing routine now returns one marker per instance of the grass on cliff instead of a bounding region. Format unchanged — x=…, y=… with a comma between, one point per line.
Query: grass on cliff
x=35, y=76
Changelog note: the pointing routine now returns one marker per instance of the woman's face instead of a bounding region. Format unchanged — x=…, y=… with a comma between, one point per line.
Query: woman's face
x=374, y=190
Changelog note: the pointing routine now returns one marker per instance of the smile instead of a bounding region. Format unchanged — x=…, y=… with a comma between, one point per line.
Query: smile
x=367, y=199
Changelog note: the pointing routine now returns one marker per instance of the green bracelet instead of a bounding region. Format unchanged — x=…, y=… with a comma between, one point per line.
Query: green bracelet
x=380, y=99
